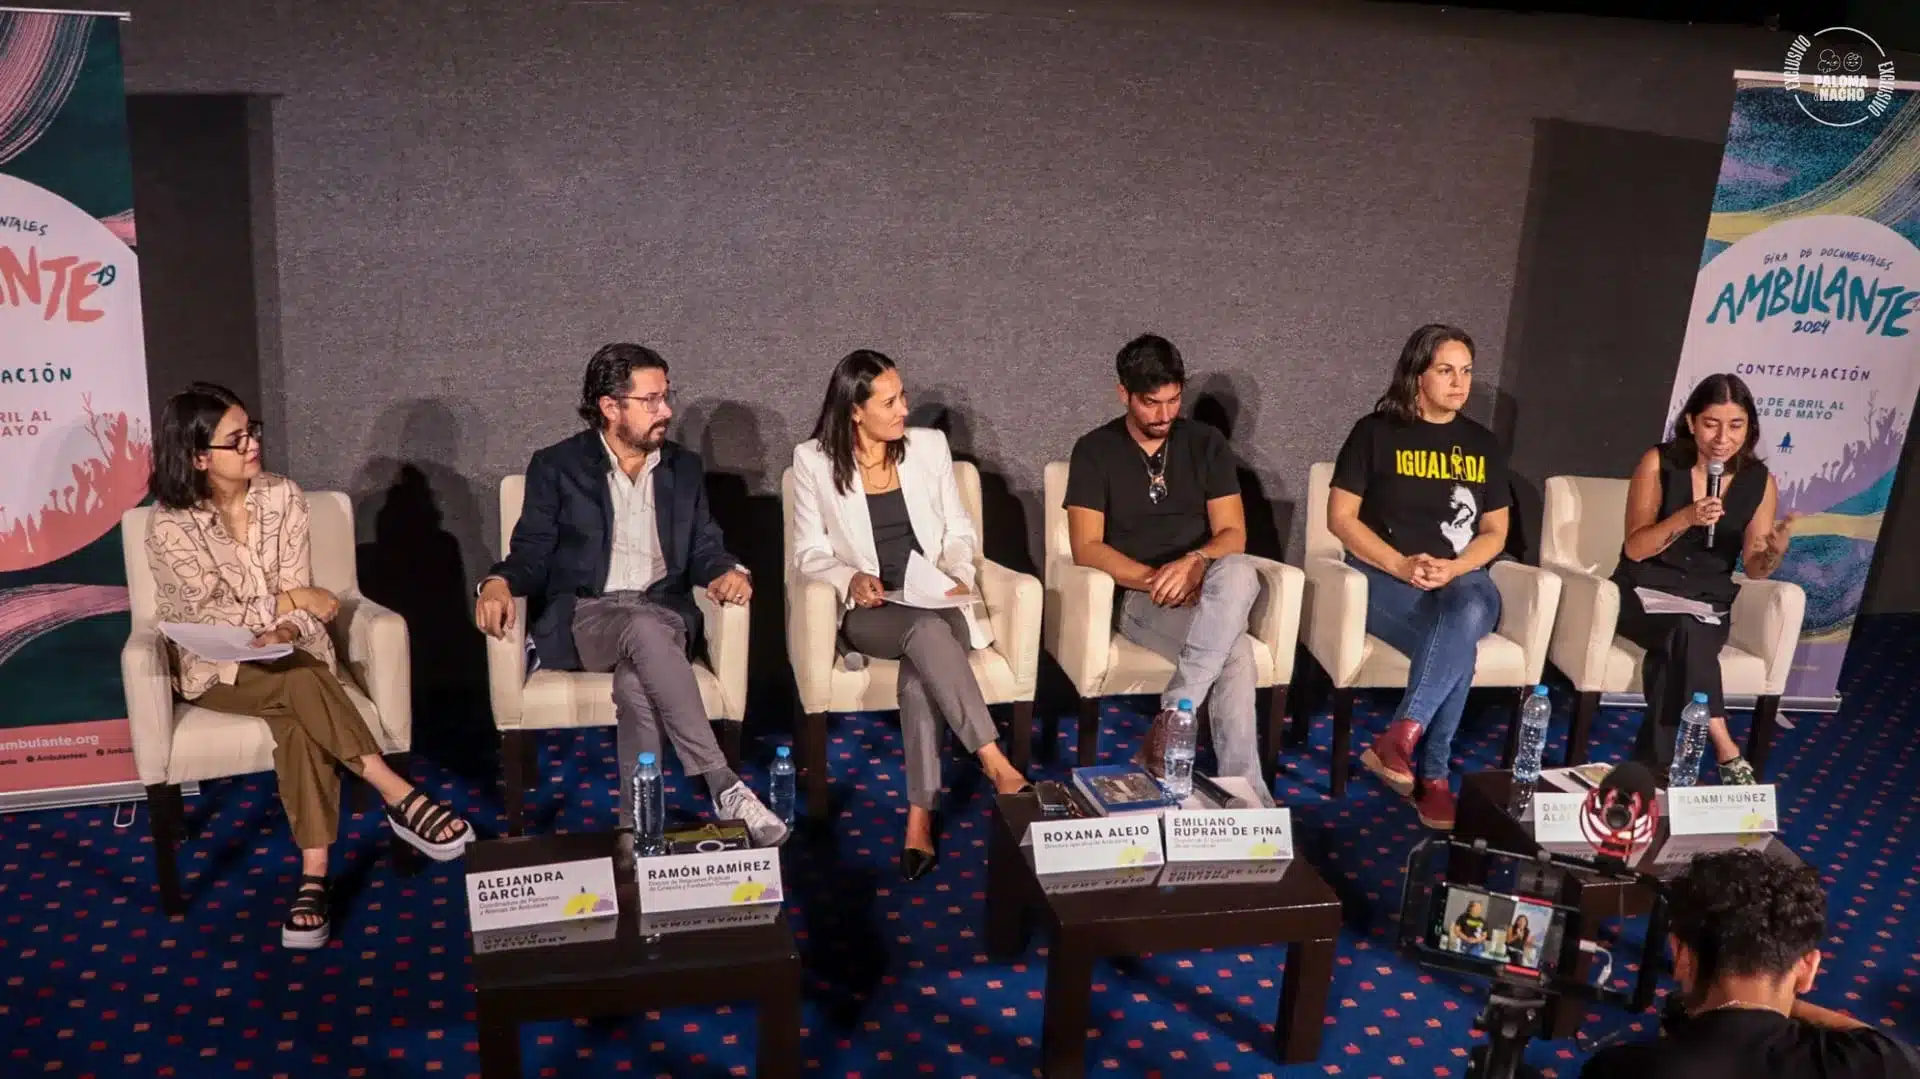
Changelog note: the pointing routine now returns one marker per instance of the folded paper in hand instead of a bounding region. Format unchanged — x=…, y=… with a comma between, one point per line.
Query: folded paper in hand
x=221, y=644
x=927, y=588
x=1655, y=602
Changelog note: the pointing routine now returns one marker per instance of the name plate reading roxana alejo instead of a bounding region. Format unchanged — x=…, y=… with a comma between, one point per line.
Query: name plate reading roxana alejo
x=537, y=894
x=727, y=878
x=1068, y=846
x=1229, y=835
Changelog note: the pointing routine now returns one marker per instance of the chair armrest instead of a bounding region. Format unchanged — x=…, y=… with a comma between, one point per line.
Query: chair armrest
x=1275, y=620
x=1766, y=621
x=507, y=670
x=1529, y=597
x=1078, y=624
x=727, y=632
x=813, y=624
x=1335, y=610
x=1014, y=604
x=146, y=673
x=1584, y=627
x=376, y=650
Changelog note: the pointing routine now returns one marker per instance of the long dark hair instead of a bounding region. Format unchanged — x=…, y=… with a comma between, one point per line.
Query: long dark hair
x=1402, y=399
x=1720, y=389
x=850, y=385
x=185, y=431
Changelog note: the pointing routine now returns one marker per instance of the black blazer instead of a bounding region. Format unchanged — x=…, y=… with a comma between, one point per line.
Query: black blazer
x=562, y=545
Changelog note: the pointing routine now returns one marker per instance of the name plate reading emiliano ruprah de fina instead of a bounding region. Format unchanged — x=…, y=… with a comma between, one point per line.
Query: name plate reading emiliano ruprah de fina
x=727, y=878
x=537, y=894
x=1229, y=835
x=1722, y=810
x=1556, y=818
x=1096, y=843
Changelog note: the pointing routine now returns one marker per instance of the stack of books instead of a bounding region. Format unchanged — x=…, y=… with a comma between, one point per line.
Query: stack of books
x=1119, y=790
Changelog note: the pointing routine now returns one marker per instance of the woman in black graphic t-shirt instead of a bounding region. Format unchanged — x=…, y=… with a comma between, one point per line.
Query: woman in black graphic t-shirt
x=1420, y=499
x=1666, y=550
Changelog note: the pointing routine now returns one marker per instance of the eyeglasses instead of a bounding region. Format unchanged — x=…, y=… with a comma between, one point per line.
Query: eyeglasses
x=652, y=402
x=245, y=438
x=1156, y=476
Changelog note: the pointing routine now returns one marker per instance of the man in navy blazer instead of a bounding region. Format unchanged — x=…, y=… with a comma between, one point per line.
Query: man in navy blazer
x=614, y=535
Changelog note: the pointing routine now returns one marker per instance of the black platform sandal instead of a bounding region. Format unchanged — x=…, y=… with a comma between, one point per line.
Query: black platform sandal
x=418, y=818
x=309, y=906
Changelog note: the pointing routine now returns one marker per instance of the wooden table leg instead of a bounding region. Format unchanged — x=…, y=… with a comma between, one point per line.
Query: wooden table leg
x=1022, y=735
x=499, y=1046
x=1006, y=893
x=779, y=1051
x=1564, y=1015
x=1063, y=1030
x=1303, y=1000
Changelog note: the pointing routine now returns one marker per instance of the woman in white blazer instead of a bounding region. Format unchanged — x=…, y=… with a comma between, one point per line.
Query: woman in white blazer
x=868, y=493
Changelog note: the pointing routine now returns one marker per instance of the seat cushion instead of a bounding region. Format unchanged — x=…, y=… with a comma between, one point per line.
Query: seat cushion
x=212, y=745
x=1133, y=668
x=576, y=699
x=874, y=687
x=1499, y=661
x=1742, y=674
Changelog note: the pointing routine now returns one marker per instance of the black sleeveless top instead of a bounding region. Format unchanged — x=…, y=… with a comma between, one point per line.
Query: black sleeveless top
x=1688, y=568
x=893, y=541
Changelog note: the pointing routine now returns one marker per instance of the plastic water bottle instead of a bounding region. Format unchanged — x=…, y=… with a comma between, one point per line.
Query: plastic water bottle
x=1535, y=712
x=1176, y=769
x=649, y=806
x=1690, y=744
x=780, y=785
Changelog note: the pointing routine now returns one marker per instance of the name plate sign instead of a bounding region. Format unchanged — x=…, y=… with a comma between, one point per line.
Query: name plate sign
x=1722, y=810
x=1556, y=817
x=538, y=894
x=727, y=878
x=1229, y=835
x=1068, y=846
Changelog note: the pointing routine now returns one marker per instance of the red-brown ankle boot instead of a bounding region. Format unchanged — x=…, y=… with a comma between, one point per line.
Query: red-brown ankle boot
x=1433, y=800
x=1391, y=756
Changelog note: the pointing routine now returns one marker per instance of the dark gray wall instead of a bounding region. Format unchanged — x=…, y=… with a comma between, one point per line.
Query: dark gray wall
x=465, y=199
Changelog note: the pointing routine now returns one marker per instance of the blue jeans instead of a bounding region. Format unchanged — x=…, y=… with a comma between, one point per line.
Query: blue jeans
x=1439, y=632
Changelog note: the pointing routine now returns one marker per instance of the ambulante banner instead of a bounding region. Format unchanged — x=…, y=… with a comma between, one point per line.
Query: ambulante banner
x=1809, y=290
x=75, y=447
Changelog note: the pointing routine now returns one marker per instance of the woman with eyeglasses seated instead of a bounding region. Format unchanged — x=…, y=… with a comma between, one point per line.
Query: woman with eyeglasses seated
x=229, y=545
x=868, y=494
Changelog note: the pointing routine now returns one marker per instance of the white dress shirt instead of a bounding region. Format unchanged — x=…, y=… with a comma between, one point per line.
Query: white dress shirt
x=636, y=559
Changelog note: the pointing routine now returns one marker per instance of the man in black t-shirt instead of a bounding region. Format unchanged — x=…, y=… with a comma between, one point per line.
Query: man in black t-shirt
x=1746, y=933
x=1153, y=501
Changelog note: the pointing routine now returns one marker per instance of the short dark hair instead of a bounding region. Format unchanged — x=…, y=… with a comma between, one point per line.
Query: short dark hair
x=1743, y=912
x=850, y=385
x=609, y=374
x=1149, y=362
x=1716, y=389
x=1402, y=399
x=185, y=431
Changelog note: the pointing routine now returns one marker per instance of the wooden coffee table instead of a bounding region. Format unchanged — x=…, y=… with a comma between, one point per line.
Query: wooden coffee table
x=626, y=973
x=1298, y=910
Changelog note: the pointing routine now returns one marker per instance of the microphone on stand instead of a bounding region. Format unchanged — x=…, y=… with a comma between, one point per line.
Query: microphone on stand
x=1622, y=814
x=1715, y=469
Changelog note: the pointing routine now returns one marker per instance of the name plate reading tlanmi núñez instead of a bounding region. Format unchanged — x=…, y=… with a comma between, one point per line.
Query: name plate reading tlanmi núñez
x=727, y=878
x=537, y=894
x=1229, y=835
x=1096, y=843
x=1722, y=810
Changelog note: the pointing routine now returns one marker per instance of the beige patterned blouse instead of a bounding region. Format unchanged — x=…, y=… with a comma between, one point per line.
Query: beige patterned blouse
x=204, y=576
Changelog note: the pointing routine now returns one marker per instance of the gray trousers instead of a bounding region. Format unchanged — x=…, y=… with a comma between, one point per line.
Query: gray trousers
x=645, y=646
x=935, y=682
x=1213, y=662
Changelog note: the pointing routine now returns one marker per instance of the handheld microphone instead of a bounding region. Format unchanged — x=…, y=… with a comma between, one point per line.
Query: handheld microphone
x=1621, y=815
x=1715, y=469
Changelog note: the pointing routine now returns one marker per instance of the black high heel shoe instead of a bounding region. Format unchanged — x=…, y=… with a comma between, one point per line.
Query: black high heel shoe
x=916, y=863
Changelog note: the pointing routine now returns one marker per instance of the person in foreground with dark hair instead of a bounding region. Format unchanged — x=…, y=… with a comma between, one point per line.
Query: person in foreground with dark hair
x=1666, y=550
x=1153, y=501
x=1419, y=498
x=229, y=545
x=869, y=492
x=1745, y=933
x=614, y=535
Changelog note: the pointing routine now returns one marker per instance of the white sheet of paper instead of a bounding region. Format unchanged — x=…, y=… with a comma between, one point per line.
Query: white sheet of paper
x=221, y=644
x=1656, y=602
x=926, y=587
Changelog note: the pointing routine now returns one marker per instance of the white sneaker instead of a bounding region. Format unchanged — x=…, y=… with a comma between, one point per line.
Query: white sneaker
x=738, y=803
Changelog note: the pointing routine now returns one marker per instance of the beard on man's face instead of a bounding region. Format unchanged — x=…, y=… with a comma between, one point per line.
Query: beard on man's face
x=645, y=436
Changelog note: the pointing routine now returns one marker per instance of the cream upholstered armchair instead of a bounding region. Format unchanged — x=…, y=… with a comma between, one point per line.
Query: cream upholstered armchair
x=1006, y=670
x=1585, y=527
x=1081, y=638
x=1336, y=636
x=176, y=742
x=551, y=700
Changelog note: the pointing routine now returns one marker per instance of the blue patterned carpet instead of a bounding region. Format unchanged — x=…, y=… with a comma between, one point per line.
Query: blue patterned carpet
x=98, y=983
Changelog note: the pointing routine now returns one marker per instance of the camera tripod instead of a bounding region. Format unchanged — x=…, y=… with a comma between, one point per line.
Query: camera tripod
x=1511, y=1017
